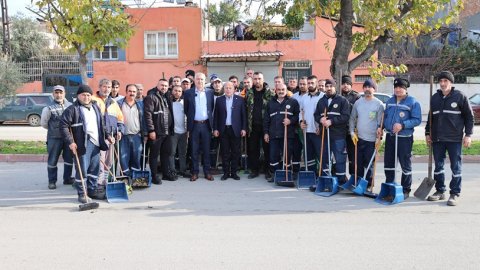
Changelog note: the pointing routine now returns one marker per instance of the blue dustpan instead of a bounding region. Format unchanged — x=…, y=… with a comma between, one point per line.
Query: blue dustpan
x=350, y=184
x=141, y=179
x=283, y=178
x=390, y=193
x=116, y=192
x=361, y=186
x=306, y=179
x=326, y=186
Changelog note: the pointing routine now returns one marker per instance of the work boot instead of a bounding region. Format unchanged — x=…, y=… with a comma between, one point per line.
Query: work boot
x=252, y=175
x=157, y=180
x=52, y=186
x=98, y=194
x=82, y=199
x=452, y=201
x=437, y=196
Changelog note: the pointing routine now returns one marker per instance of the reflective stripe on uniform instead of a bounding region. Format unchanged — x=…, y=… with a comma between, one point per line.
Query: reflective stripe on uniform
x=452, y=112
x=77, y=125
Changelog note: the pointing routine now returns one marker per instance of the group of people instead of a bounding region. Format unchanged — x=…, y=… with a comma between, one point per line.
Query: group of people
x=187, y=120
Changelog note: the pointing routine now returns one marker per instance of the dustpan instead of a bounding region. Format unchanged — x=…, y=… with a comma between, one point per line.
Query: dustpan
x=143, y=178
x=306, y=178
x=115, y=191
x=327, y=185
x=391, y=193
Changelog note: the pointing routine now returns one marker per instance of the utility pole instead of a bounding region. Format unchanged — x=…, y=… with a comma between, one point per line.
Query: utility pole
x=6, y=28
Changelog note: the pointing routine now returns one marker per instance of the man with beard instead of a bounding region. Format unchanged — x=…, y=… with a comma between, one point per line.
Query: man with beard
x=292, y=85
x=402, y=115
x=83, y=130
x=179, y=137
x=364, y=121
x=351, y=96
x=451, y=126
x=51, y=118
x=274, y=124
x=217, y=86
x=321, y=85
x=247, y=85
x=176, y=81
x=309, y=105
x=186, y=84
x=338, y=114
x=297, y=142
x=257, y=98
x=160, y=124
x=113, y=117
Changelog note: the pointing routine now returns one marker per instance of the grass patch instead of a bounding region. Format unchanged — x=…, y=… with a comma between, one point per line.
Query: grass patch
x=39, y=147
x=21, y=147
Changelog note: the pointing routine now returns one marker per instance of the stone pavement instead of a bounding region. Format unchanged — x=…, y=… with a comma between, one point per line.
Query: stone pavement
x=247, y=224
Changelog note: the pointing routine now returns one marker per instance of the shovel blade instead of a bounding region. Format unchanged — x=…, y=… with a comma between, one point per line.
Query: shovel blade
x=424, y=189
x=306, y=179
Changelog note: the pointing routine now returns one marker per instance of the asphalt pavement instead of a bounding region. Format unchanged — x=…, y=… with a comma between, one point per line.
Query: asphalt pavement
x=246, y=224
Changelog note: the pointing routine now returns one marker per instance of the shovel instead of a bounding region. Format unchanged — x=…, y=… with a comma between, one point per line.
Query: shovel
x=284, y=177
x=143, y=178
x=391, y=193
x=327, y=185
x=427, y=184
x=306, y=179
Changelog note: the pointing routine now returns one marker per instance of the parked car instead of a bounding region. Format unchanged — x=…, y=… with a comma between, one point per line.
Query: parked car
x=383, y=97
x=24, y=107
x=475, y=103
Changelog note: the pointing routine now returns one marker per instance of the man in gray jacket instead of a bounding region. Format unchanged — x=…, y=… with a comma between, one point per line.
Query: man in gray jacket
x=51, y=117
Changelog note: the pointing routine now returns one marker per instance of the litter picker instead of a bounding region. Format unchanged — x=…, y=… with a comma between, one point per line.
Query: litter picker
x=428, y=182
x=306, y=178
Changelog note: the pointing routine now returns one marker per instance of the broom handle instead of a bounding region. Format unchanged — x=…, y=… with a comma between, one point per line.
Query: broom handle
x=321, y=147
x=79, y=169
x=144, y=145
x=119, y=165
x=356, y=165
x=430, y=148
x=305, y=141
x=109, y=172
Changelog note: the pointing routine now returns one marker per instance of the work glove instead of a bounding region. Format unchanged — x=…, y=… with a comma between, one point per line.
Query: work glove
x=354, y=138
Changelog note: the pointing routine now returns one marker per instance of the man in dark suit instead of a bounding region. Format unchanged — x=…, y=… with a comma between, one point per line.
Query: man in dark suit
x=230, y=123
x=198, y=107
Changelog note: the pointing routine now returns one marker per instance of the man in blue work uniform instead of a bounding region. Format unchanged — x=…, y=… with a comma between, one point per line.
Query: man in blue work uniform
x=402, y=114
x=452, y=117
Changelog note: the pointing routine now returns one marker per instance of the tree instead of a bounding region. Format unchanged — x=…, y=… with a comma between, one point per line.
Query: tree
x=227, y=13
x=383, y=21
x=463, y=61
x=86, y=25
x=10, y=77
x=27, y=41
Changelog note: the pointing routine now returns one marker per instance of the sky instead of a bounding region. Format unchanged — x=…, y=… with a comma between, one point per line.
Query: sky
x=15, y=6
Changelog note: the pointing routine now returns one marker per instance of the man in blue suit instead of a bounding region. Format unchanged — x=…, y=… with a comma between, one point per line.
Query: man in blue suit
x=198, y=107
x=230, y=123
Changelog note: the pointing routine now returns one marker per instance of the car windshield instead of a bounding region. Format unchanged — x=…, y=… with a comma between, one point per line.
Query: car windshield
x=41, y=100
x=475, y=99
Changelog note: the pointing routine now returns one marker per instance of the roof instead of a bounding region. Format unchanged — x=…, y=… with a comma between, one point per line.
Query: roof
x=244, y=56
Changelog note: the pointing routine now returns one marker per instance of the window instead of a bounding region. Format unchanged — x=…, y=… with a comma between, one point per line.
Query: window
x=109, y=52
x=161, y=44
x=362, y=78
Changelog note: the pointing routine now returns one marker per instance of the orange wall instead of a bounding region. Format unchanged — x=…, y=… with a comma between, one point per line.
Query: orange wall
x=31, y=87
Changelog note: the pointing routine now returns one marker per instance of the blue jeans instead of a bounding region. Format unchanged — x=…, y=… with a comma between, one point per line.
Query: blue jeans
x=55, y=147
x=454, y=150
x=90, y=167
x=338, y=150
x=404, y=153
x=130, y=153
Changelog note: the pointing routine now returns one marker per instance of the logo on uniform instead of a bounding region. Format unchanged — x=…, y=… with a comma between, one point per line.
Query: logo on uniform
x=288, y=107
x=402, y=114
x=454, y=105
x=335, y=106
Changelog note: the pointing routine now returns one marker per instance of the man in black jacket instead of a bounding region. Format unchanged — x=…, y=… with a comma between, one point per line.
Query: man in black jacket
x=159, y=121
x=338, y=114
x=83, y=130
x=274, y=123
x=451, y=118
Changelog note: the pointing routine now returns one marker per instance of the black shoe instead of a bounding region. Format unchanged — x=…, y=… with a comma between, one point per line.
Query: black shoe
x=52, y=186
x=157, y=180
x=406, y=195
x=185, y=174
x=82, y=199
x=97, y=195
x=235, y=176
x=253, y=175
x=224, y=177
x=268, y=175
x=169, y=177
x=69, y=181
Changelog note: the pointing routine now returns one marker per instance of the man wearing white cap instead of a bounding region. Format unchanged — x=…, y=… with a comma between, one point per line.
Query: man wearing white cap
x=51, y=116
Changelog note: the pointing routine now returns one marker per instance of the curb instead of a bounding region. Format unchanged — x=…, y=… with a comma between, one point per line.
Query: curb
x=44, y=158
